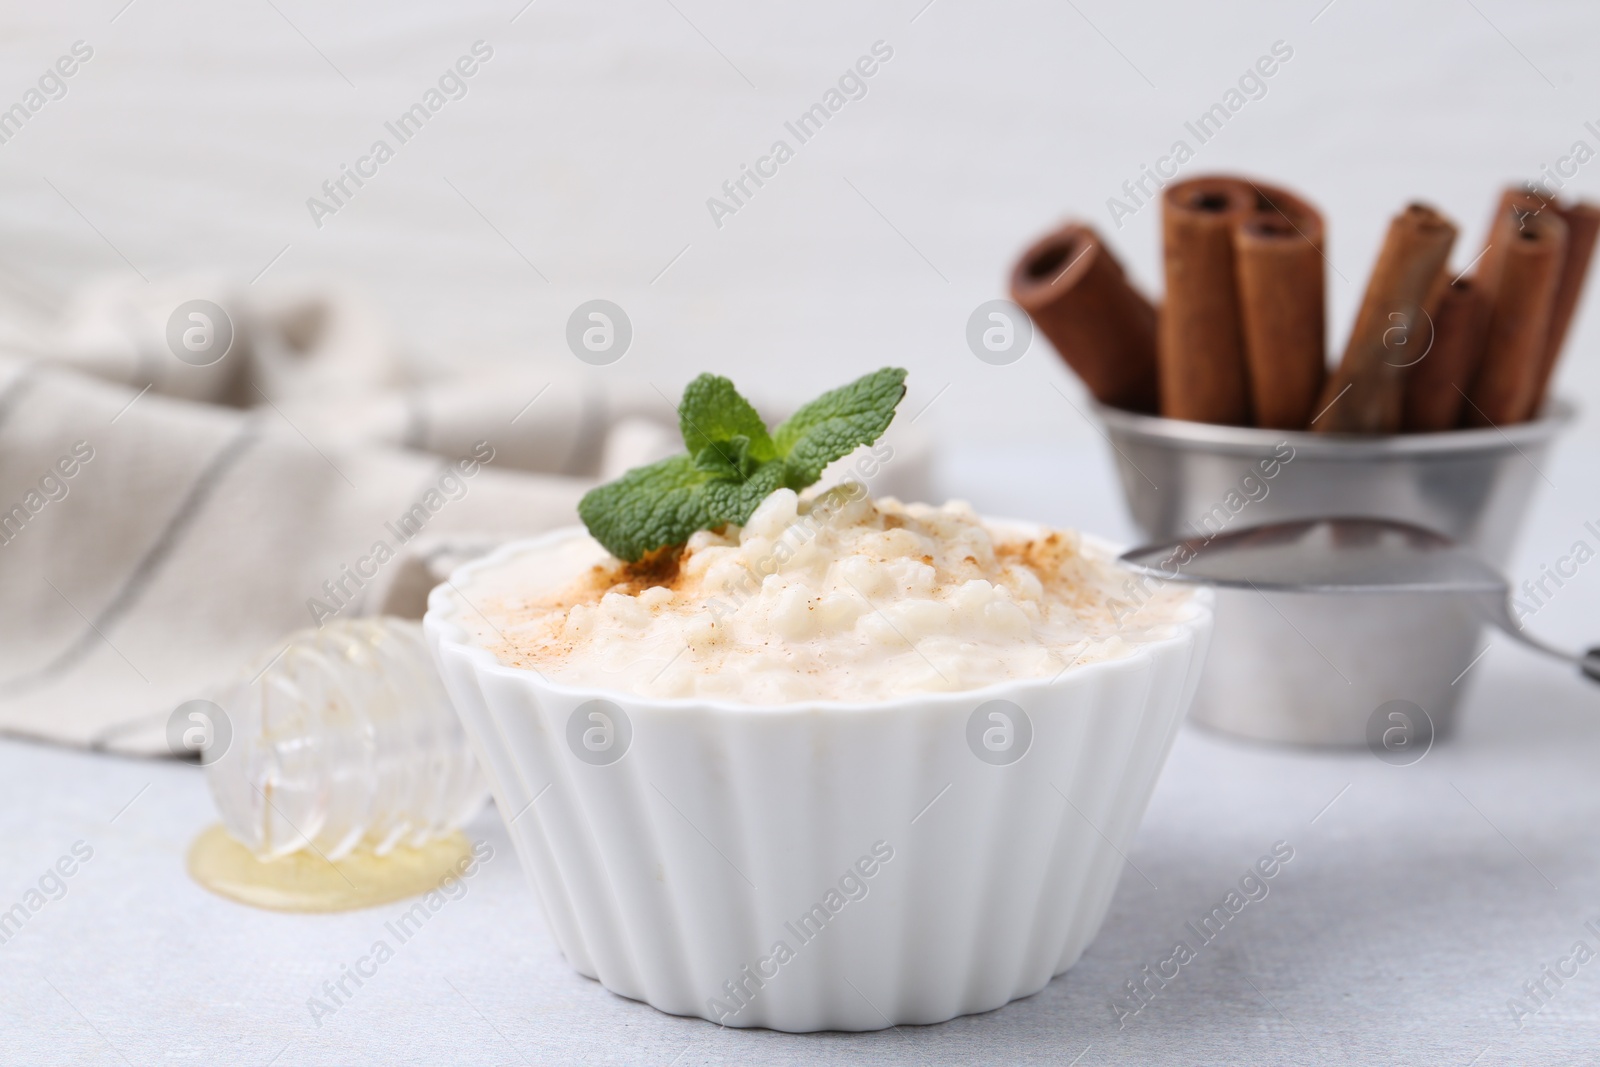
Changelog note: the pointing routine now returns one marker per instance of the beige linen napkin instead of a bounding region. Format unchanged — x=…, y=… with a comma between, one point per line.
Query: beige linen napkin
x=162, y=524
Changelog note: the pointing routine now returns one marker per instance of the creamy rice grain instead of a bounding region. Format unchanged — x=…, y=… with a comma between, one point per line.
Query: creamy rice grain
x=839, y=598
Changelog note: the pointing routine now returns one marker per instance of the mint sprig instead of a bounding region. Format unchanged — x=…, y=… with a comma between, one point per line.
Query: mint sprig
x=732, y=462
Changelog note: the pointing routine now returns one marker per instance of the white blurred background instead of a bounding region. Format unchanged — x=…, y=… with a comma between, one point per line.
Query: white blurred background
x=592, y=139
x=579, y=163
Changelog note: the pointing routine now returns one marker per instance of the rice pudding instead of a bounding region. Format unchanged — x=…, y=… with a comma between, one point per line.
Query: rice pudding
x=835, y=597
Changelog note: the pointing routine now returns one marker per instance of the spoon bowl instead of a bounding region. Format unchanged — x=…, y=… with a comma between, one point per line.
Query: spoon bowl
x=1354, y=556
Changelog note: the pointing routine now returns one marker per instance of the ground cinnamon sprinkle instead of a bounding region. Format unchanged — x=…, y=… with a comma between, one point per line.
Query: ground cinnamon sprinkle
x=1045, y=556
x=663, y=567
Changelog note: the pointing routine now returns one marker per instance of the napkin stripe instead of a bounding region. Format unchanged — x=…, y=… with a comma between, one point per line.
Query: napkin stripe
x=138, y=579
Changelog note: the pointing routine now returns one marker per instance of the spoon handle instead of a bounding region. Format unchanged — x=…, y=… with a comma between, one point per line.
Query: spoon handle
x=1500, y=614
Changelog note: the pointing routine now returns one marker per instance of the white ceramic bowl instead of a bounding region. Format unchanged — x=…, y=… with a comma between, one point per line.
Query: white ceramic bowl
x=916, y=859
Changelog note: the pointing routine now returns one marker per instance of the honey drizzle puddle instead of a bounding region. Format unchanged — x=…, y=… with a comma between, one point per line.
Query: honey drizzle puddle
x=306, y=882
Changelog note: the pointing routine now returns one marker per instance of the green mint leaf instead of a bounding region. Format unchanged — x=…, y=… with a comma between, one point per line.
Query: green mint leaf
x=647, y=508
x=733, y=463
x=713, y=413
x=734, y=500
x=837, y=423
x=727, y=459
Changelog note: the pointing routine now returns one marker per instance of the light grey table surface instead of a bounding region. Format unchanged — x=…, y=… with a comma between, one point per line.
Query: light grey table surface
x=1419, y=900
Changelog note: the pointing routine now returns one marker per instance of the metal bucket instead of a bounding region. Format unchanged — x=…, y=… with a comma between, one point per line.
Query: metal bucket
x=1316, y=669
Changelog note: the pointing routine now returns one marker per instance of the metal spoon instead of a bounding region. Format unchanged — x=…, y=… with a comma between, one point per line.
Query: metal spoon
x=1345, y=555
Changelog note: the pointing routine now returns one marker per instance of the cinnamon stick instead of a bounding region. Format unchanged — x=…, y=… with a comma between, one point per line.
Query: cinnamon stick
x=1516, y=204
x=1276, y=200
x=1201, y=348
x=1366, y=393
x=1583, y=224
x=1436, y=390
x=1508, y=385
x=1077, y=294
x=1279, y=262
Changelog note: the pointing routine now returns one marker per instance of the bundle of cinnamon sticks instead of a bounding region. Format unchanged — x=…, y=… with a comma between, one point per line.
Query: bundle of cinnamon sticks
x=1240, y=337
